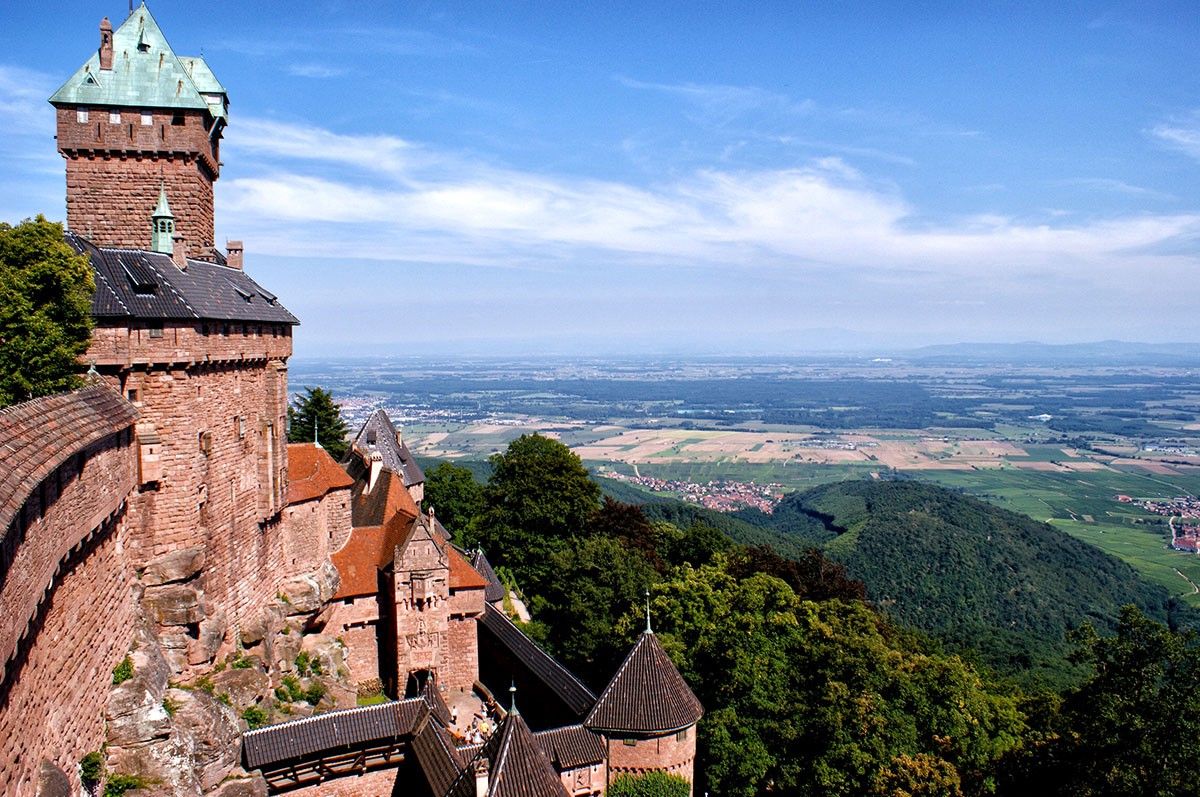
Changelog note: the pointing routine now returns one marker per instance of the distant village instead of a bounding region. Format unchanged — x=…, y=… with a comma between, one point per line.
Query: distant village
x=723, y=496
x=1183, y=518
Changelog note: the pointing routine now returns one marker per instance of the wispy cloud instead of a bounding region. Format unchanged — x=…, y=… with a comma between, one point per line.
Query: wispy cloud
x=1181, y=133
x=1110, y=185
x=403, y=201
x=316, y=71
x=23, y=105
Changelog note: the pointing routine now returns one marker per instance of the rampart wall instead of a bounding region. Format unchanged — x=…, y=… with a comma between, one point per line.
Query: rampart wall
x=66, y=608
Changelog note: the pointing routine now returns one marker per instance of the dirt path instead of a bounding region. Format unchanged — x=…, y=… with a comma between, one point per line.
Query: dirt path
x=1195, y=589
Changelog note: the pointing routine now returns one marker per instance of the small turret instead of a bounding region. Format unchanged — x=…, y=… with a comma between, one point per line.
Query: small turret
x=647, y=713
x=162, y=225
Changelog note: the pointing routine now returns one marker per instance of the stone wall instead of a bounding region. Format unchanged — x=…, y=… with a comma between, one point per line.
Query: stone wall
x=116, y=168
x=215, y=396
x=460, y=659
x=356, y=622
x=669, y=753
x=380, y=783
x=314, y=529
x=54, y=706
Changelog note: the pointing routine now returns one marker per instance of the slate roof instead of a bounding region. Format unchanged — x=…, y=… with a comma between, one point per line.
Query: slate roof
x=571, y=747
x=378, y=433
x=647, y=695
x=495, y=589
x=437, y=756
x=518, y=765
x=356, y=726
x=312, y=473
x=39, y=435
x=133, y=283
x=146, y=73
x=556, y=677
x=568, y=747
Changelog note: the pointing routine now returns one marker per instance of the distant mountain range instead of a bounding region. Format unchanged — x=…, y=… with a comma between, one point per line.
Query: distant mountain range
x=1105, y=352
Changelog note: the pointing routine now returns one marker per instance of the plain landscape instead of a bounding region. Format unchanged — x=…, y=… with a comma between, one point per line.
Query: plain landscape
x=1102, y=442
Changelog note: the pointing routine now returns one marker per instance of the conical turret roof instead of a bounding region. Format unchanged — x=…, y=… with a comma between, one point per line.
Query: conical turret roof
x=647, y=695
x=518, y=766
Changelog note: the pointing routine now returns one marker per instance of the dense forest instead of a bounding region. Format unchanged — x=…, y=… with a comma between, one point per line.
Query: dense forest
x=817, y=682
x=986, y=581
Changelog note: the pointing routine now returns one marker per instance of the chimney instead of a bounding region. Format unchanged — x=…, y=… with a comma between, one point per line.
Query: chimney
x=481, y=777
x=233, y=254
x=376, y=460
x=106, y=52
x=179, y=251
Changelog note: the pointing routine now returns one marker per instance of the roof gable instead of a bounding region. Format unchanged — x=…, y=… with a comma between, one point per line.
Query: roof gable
x=647, y=694
x=145, y=72
x=312, y=473
x=378, y=433
x=518, y=767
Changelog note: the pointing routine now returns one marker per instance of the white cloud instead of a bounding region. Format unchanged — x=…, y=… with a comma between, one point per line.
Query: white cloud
x=1181, y=133
x=403, y=201
x=23, y=105
x=316, y=71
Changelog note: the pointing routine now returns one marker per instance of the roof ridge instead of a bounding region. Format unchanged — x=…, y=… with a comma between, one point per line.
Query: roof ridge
x=345, y=712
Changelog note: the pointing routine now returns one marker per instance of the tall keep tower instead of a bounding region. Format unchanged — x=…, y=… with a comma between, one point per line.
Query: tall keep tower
x=133, y=120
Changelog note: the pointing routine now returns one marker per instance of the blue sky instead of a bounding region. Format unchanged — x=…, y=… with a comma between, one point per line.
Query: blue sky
x=668, y=177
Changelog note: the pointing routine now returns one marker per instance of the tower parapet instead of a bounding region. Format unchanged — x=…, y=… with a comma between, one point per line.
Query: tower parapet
x=135, y=118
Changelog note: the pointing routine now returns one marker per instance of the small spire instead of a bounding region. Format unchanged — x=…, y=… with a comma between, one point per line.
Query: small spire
x=512, y=699
x=649, y=630
x=316, y=424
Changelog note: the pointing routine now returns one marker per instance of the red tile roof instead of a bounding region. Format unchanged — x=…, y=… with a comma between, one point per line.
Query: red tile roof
x=312, y=473
x=462, y=575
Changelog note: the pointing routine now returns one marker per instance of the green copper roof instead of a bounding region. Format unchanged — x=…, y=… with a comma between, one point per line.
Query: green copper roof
x=163, y=209
x=207, y=84
x=146, y=73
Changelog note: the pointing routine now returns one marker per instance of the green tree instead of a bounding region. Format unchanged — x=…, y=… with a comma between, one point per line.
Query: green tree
x=45, y=311
x=1133, y=727
x=454, y=495
x=537, y=497
x=651, y=784
x=317, y=409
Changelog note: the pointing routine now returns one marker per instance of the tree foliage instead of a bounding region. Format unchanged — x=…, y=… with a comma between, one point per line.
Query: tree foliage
x=316, y=410
x=45, y=311
x=538, y=496
x=454, y=495
x=651, y=784
x=1132, y=728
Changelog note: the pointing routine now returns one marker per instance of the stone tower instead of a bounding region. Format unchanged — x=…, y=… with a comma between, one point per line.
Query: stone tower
x=647, y=715
x=135, y=121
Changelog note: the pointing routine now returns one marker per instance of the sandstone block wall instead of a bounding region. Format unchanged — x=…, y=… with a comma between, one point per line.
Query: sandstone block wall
x=314, y=529
x=669, y=753
x=460, y=660
x=54, y=706
x=115, y=169
x=380, y=783
x=356, y=622
x=71, y=504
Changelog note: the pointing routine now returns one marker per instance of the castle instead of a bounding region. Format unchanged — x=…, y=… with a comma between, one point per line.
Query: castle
x=159, y=519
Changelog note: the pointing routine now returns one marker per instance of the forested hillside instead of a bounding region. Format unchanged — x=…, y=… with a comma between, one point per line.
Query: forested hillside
x=977, y=576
